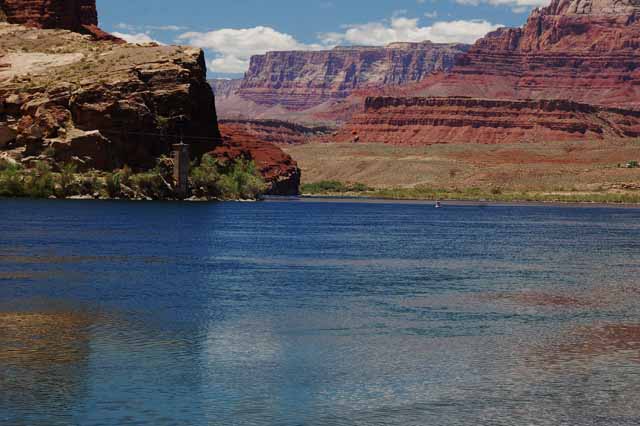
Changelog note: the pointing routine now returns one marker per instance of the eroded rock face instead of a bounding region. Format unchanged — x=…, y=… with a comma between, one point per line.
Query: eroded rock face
x=280, y=132
x=73, y=15
x=105, y=104
x=583, y=50
x=279, y=170
x=302, y=80
x=424, y=121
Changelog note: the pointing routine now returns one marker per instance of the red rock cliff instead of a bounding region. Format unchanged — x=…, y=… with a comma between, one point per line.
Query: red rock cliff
x=73, y=15
x=279, y=170
x=584, y=50
x=424, y=121
x=301, y=80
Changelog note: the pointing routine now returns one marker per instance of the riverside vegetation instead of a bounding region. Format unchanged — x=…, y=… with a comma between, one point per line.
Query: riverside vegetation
x=497, y=194
x=208, y=180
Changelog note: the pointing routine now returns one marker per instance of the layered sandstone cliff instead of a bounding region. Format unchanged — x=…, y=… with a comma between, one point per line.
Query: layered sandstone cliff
x=99, y=104
x=302, y=80
x=281, y=132
x=74, y=15
x=583, y=50
x=424, y=121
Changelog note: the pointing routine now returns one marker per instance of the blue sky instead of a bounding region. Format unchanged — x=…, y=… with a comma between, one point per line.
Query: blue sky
x=231, y=31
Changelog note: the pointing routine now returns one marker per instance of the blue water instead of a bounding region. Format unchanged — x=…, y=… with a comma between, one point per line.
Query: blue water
x=318, y=313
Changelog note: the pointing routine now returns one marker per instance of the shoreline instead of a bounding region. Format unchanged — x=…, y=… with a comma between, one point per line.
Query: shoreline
x=457, y=202
x=309, y=198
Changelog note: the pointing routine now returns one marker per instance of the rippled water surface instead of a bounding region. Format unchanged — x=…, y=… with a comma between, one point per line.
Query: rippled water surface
x=307, y=313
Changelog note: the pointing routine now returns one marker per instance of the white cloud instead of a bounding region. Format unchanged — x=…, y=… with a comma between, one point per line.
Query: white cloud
x=408, y=29
x=130, y=28
x=165, y=28
x=234, y=47
x=138, y=38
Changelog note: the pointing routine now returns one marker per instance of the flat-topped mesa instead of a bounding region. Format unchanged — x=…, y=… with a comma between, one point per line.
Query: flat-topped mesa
x=425, y=121
x=80, y=16
x=300, y=80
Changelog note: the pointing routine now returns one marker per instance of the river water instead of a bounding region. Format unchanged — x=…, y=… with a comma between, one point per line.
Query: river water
x=318, y=313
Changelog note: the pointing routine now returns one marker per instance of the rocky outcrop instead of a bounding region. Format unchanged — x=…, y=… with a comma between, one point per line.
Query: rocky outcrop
x=302, y=80
x=279, y=170
x=100, y=104
x=583, y=50
x=424, y=121
x=281, y=132
x=74, y=15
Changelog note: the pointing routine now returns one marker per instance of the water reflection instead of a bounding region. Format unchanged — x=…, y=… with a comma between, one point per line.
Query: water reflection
x=44, y=364
x=318, y=314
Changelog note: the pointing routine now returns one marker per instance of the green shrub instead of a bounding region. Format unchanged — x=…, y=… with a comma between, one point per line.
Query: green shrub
x=67, y=180
x=248, y=182
x=11, y=180
x=237, y=179
x=205, y=177
x=150, y=184
x=40, y=182
x=112, y=185
x=333, y=186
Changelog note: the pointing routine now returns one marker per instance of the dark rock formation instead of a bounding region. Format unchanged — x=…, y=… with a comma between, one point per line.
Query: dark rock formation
x=302, y=80
x=101, y=104
x=74, y=15
x=423, y=121
x=279, y=170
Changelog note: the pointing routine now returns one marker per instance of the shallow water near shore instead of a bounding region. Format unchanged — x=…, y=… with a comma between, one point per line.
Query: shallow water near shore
x=318, y=313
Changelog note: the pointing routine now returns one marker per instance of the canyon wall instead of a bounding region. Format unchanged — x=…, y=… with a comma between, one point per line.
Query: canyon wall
x=425, y=121
x=583, y=50
x=302, y=80
x=74, y=15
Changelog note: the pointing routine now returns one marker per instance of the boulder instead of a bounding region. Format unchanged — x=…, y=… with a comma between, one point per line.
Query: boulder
x=92, y=149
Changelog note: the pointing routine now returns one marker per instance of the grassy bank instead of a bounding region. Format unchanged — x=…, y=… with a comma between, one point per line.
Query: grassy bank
x=421, y=192
x=208, y=180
